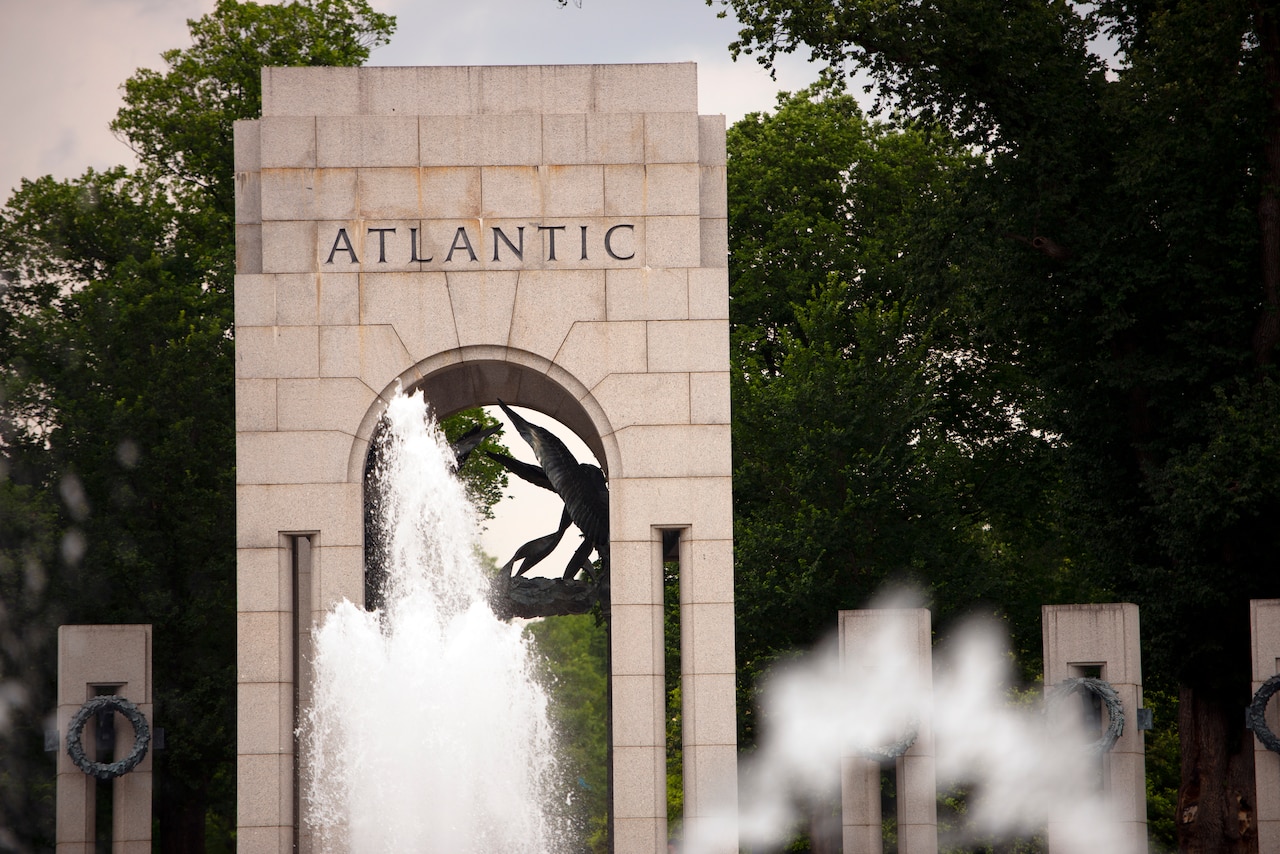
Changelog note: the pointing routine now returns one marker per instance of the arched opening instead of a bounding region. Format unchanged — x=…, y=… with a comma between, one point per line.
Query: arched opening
x=575, y=648
x=457, y=386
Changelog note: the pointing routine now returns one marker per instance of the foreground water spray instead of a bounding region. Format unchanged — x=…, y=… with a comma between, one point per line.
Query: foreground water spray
x=427, y=731
x=1020, y=769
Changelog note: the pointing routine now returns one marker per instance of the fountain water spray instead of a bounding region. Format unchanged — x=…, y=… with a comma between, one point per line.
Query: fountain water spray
x=427, y=731
x=1021, y=769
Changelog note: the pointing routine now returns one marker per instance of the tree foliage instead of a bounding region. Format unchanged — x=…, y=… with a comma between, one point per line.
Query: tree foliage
x=28, y=629
x=114, y=410
x=118, y=430
x=573, y=659
x=878, y=439
x=1121, y=234
x=485, y=477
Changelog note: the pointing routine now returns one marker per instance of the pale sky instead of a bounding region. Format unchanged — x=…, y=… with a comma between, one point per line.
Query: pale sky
x=63, y=62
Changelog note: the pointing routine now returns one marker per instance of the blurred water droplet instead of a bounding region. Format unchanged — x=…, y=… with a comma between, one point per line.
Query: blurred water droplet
x=34, y=576
x=73, y=495
x=127, y=453
x=73, y=547
x=12, y=695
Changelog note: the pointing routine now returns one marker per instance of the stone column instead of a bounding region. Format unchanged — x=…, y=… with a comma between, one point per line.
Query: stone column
x=1264, y=622
x=94, y=660
x=911, y=636
x=707, y=688
x=1080, y=640
x=860, y=806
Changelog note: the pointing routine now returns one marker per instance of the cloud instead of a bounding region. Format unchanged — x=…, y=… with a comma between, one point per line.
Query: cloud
x=65, y=60
x=72, y=56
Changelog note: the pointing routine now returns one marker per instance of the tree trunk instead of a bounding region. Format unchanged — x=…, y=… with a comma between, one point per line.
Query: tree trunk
x=1216, y=812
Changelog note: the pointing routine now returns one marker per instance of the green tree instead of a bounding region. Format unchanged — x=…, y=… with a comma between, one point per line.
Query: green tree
x=485, y=477
x=28, y=641
x=876, y=439
x=1123, y=234
x=674, y=704
x=116, y=347
x=573, y=659
x=109, y=378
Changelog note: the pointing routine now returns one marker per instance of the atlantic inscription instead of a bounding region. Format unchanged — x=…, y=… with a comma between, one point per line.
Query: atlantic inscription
x=470, y=244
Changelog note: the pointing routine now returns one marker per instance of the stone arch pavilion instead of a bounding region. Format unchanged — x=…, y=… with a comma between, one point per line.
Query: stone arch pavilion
x=551, y=235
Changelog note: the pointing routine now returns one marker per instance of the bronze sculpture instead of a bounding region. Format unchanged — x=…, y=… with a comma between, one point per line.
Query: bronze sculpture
x=582, y=488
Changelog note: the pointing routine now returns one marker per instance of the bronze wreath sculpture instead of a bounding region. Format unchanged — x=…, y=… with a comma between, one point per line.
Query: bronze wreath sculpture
x=1101, y=689
x=1256, y=715
x=108, y=770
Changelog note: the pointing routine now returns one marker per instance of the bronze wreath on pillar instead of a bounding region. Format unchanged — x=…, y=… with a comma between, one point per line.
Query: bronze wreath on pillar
x=108, y=770
x=1103, y=690
x=1256, y=714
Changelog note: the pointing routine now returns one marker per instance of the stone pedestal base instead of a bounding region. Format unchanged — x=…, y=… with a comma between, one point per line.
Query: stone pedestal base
x=1103, y=641
x=96, y=660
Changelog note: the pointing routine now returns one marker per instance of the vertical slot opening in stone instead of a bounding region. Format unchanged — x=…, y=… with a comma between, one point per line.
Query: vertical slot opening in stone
x=673, y=600
x=301, y=571
x=104, y=749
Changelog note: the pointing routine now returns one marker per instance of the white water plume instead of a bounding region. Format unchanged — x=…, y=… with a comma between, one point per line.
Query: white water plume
x=1019, y=769
x=427, y=731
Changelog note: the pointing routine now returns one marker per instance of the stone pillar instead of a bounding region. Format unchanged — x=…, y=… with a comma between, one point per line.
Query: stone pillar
x=94, y=660
x=1264, y=622
x=861, y=828
x=1081, y=640
x=708, y=674
x=908, y=632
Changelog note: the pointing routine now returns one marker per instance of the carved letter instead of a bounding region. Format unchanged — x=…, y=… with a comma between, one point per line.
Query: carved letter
x=343, y=242
x=551, y=253
x=413, y=246
x=608, y=243
x=466, y=244
x=497, y=233
x=584, y=242
x=382, y=242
